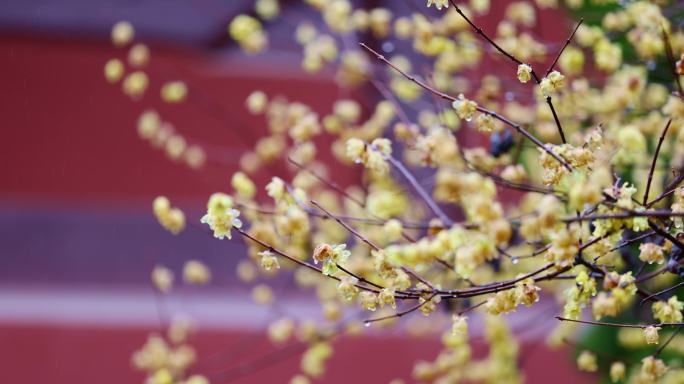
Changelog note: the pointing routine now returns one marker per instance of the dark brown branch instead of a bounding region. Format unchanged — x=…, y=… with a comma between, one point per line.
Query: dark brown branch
x=299, y=262
x=632, y=240
x=666, y=235
x=667, y=342
x=367, y=241
x=472, y=307
x=623, y=215
x=641, y=326
x=399, y=314
x=420, y=190
x=655, y=159
x=327, y=182
x=672, y=288
x=390, y=97
x=347, y=227
x=494, y=287
x=489, y=40
x=567, y=42
x=359, y=278
x=669, y=189
x=556, y=119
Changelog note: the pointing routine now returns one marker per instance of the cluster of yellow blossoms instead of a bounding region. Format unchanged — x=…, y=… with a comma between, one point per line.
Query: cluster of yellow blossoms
x=171, y=218
x=221, y=217
x=572, y=192
x=163, y=135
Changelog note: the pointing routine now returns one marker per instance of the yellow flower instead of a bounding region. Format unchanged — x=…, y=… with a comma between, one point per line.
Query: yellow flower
x=149, y=124
x=197, y=379
x=668, y=312
x=485, y=123
x=162, y=376
x=243, y=185
x=262, y=294
x=376, y=162
x=369, y=301
x=459, y=325
x=524, y=73
x=384, y=146
x=280, y=330
x=247, y=31
x=651, y=335
x=386, y=297
x=526, y=292
x=617, y=371
x=276, y=189
x=256, y=102
x=652, y=369
x=347, y=287
x=162, y=278
x=393, y=229
x=135, y=84
x=439, y=4
x=221, y=217
x=502, y=302
x=586, y=361
x=356, y=150
x=330, y=256
x=139, y=55
x=172, y=219
x=464, y=108
x=196, y=273
x=564, y=246
x=122, y=33
x=552, y=83
x=174, y=92
x=113, y=70
x=267, y=9
x=651, y=253
x=269, y=261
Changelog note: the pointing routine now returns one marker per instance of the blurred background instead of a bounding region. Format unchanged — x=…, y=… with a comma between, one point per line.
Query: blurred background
x=77, y=235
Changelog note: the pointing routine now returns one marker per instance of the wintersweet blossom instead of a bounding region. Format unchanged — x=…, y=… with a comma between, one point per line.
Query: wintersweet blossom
x=221, y=217
x=464, y=108
x=651, y=335
x=524, y=73
x=439, y=4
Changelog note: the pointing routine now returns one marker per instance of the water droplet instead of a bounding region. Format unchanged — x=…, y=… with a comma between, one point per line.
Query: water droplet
x=469, y=118
x=366, y=324
x=514, y=260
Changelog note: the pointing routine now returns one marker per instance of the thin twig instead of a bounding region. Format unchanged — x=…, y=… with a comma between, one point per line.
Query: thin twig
x=655, y=159
x=567, y=42
x=347, y=227
x=400, y=314
x=666, y=235
x=669, y=339
x=446, y=220
x=327, y=182
x=623, y=215
x=620, y=325
x=672, y=288
x=669, y=189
